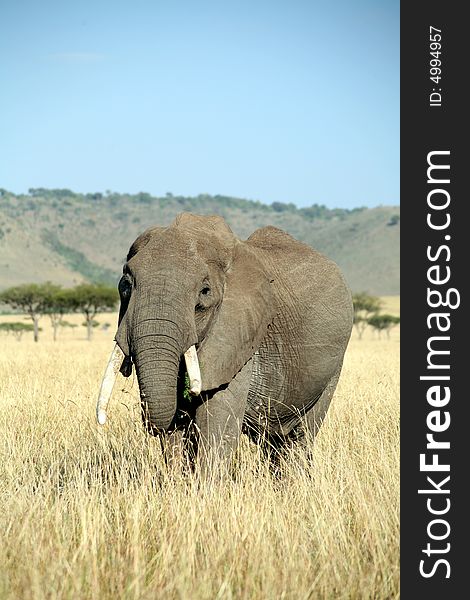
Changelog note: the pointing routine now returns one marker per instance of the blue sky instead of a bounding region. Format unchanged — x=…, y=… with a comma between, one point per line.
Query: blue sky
x=287, y=101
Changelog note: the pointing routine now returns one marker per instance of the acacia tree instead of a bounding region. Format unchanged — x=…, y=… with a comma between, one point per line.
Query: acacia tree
x=29, y=298
x=16, y=328
x=383, y=323
x=364, y=307
x=91, y=299
x=57, y=303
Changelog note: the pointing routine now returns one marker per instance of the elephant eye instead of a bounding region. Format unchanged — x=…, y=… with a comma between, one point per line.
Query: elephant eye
x=125, y=288
x=204, y=298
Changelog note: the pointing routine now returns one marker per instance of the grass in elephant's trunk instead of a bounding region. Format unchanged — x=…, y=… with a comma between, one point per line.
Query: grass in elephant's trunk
x=91, y=512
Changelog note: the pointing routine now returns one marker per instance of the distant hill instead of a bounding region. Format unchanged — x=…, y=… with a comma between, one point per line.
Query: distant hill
x=66, y=238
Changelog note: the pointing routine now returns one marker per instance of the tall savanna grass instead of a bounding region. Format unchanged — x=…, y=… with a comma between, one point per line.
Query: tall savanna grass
x=89, y=512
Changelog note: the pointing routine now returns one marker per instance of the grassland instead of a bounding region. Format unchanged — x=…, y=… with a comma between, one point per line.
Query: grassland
x=390, y=305
x=92, y=513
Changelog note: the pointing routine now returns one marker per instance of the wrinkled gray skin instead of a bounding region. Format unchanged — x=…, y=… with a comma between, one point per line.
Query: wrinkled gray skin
x=270, y=317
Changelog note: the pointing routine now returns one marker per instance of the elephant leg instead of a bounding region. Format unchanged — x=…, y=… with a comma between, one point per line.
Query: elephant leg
x=172, y=449
x=176, y=447
x=314, y=418
x=219, y=422
x=304, y=433
x=275, y=449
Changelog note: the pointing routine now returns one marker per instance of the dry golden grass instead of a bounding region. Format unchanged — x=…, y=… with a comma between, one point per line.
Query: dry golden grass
x=91, y=513
x=391, y=305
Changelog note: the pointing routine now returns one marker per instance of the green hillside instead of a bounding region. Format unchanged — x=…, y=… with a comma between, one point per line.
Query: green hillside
x=64, y=237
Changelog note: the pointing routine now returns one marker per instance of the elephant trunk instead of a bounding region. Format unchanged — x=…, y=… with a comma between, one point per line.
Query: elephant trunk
x=157, y=364
x=158, y=345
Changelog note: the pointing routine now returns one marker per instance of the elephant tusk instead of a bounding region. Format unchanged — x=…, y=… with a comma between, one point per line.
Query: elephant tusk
x=109, y=379
x=194, y=373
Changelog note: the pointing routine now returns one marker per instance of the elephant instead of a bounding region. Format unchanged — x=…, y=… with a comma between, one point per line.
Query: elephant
x=260, y=327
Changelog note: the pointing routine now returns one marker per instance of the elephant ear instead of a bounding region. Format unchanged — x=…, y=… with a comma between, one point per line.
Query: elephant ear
x=247, y=308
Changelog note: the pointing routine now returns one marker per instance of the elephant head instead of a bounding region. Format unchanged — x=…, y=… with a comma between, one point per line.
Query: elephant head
x=192, y=285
